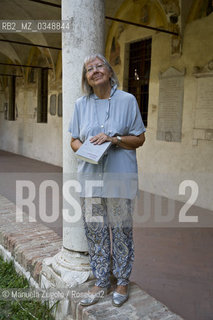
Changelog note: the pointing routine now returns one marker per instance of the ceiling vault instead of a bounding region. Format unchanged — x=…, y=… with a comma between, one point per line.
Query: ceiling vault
x=141, y=25
x=47, y=3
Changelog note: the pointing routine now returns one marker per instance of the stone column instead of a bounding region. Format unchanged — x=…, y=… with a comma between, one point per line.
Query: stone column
x=85, y=38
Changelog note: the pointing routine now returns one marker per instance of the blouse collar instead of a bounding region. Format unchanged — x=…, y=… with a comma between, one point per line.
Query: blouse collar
x=113, y=90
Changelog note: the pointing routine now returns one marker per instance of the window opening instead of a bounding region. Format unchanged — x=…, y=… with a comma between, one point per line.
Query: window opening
x=42, y=95
x=60, y=105
x=12, y=94
x=139, y=73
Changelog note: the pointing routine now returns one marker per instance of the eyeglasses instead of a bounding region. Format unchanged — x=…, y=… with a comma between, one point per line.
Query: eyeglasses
x=97, y=67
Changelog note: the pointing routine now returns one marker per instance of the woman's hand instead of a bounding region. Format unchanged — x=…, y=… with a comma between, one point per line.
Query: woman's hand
x=128, y=142
x=75, y=144
x=101, y=138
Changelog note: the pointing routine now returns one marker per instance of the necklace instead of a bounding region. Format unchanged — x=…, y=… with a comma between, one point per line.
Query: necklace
x=106, y=114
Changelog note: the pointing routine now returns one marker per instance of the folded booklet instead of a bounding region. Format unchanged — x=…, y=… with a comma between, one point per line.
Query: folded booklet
x=92, y=153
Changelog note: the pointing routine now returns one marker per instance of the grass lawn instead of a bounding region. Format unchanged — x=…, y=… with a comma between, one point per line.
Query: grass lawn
x=19, y=310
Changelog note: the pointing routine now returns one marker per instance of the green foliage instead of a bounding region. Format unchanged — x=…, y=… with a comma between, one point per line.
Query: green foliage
x=19, y=310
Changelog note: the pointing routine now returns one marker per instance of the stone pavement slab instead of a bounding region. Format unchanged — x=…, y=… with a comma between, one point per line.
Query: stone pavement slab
x=140, y=306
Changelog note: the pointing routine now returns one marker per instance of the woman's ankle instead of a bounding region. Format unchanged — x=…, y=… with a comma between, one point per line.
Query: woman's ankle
x=122, y=289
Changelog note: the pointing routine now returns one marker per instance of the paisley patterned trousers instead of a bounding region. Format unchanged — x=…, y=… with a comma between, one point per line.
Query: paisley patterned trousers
x=99, y=216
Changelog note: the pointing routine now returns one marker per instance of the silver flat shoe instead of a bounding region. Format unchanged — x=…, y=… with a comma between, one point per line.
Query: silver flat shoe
x=118, y=299
x=93, y=298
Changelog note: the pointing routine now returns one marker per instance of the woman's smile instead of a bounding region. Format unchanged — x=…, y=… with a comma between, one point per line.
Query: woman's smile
x=97, y=76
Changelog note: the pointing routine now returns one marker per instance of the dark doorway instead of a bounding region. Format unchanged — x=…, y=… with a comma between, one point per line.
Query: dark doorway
x=139, y=71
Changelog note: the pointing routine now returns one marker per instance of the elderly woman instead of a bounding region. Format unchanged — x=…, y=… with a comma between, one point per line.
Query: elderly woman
x=108, y=114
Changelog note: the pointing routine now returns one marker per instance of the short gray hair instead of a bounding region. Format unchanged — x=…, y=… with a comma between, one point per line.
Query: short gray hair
x=86, y=88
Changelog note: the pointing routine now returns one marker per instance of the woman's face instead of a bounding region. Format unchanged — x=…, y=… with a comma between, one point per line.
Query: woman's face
x=97, y=73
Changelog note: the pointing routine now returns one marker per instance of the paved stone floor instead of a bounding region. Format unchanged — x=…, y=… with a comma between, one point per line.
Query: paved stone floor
x=172, y=264
x=29, y=243
x=140, y=306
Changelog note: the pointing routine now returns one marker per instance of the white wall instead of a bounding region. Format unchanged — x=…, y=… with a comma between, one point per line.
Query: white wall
x=164, y=165
x=41, y=141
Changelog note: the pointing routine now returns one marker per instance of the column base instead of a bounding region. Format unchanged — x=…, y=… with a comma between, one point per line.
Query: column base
x=67, y=269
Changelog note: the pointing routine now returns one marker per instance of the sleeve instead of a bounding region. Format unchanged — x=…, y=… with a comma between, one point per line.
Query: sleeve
x=136, y=123
x=74, y=127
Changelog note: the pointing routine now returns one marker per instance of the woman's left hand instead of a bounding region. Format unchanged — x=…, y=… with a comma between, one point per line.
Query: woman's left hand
x=100, y=138
x=128, y=142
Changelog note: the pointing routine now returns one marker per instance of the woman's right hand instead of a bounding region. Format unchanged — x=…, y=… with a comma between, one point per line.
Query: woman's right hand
x=75, y=144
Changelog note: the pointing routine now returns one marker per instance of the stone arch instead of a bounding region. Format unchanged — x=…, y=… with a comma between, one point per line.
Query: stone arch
x=198, y=10
x=29, y=55
x=140, y=11
x=4, y=80
x=150, y=13
x=38, y=57
x=20, y=11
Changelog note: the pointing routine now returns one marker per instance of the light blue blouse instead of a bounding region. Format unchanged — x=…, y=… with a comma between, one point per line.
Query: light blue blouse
x=117, y=171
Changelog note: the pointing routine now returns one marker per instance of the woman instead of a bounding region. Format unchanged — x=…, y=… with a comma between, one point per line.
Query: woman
x=108, y=114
